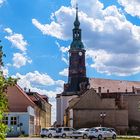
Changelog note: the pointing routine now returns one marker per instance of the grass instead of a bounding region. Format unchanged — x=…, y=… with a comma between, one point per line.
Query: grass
x=128, y=138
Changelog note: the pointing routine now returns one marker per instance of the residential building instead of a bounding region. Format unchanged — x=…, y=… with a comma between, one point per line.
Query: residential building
x=25, y=116
x=45, y=108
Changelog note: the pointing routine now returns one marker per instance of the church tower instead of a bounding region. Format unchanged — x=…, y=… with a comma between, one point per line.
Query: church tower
x=77, y=80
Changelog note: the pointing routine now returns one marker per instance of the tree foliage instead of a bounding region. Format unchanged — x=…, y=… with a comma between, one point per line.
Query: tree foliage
x=4, y=83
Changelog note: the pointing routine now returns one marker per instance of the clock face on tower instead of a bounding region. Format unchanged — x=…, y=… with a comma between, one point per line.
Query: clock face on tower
x=80, y=53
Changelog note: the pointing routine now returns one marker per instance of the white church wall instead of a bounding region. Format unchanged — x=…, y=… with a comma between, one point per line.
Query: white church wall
x=64, y=104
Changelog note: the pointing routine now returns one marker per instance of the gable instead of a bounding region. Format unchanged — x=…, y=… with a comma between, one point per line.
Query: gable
x=18, y=101
x=92, y=100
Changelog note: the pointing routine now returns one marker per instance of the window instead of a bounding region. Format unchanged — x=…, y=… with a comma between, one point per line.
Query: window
x=66, y=129
x=58, y=130
x=71, y=129
x=13, y=120
x=52, y=129
x=5, y=120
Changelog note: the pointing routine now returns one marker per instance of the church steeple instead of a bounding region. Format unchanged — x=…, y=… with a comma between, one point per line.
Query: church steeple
x=77, y=79
x=77, y=43
x=76, y=22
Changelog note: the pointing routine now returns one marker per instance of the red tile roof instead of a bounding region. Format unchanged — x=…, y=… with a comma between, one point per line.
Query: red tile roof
x=113, y=85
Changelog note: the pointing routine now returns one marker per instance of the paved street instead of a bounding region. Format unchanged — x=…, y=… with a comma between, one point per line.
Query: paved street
x=38, y=139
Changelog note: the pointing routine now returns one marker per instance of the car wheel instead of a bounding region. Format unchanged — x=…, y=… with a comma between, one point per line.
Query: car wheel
x=63, y=135
x=84, y=136
x=99, y=137
x=42, y=136
x=50, y=135
x=114, y=137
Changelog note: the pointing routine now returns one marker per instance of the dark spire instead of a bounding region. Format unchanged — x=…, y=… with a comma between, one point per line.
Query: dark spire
x=76, y=22
x=76, y=43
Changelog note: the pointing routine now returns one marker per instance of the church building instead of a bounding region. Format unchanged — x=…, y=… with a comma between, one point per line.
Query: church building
x=77, y=80
x=89, y=102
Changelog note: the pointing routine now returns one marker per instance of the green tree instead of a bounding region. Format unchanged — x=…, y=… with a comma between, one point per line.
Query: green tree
x=4, y=83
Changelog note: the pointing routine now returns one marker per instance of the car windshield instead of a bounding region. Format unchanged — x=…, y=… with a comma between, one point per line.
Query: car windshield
x=93, y=129
x=44, y=129
x=83, y=129
x=111, y=129
x=52, y=129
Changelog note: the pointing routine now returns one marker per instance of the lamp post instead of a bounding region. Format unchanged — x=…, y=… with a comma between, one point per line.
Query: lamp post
x=102, y=116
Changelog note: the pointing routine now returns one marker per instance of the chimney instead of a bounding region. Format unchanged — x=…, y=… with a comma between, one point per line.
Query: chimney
x=126, y=90
x=25, y=89
x=99, y=89
x=133, y=89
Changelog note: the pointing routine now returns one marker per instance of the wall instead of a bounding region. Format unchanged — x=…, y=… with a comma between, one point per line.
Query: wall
x=87, y=111
x=133, y=109
x=91, y=118
x=22, y=125
x=58, y=110
x=64, y=102
x=48, y=115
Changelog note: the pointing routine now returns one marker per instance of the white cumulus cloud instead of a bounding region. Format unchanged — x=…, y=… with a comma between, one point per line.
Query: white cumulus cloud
x=132, y=7
x=40, y=79
x=53, y=29
x=2, y=2
x=105, y=31
x=64, y=53
x=64, y=72
x=20, y=59
x=109, y=63
x=17, y=40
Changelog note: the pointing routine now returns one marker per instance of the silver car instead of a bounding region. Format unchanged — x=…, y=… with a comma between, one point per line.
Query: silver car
x=64, y=132
x=101, y=132
x=48, y=132
x=83, y=133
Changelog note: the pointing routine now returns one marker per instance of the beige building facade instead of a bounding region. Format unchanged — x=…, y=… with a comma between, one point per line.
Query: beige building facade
x=121, y=108
x=87, y=109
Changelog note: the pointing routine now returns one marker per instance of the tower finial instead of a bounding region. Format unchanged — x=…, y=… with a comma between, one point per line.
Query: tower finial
x=76, y=23
x=76, y=11
x=76, y=7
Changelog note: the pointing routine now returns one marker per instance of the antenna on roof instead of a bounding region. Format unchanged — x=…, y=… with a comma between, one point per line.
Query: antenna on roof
x=25, y=89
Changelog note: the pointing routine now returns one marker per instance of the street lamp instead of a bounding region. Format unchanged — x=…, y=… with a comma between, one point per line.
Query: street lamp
x=102, y=116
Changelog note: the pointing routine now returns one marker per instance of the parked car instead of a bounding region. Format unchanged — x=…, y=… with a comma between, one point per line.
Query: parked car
x=48, y=132
x=83, y=133
x=113, y=129
x=101, y=132
x=64, y=132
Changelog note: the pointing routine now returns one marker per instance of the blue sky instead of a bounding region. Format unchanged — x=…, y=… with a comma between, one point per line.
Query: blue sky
x=36, y=35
